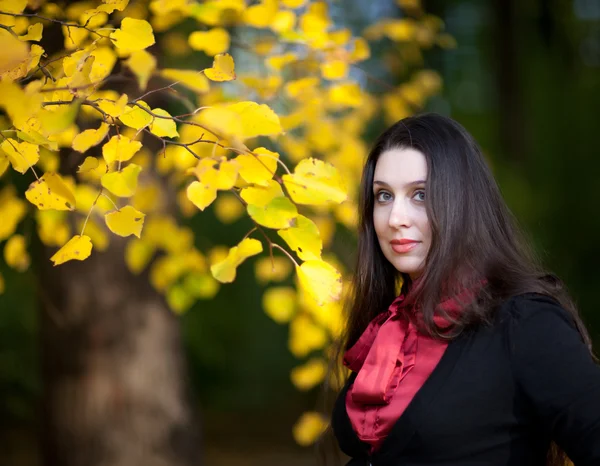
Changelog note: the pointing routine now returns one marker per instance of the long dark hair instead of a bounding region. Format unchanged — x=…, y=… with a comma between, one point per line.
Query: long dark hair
x=474, y=236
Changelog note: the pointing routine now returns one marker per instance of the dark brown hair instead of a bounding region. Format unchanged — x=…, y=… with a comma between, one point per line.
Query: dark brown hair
x=474, y=236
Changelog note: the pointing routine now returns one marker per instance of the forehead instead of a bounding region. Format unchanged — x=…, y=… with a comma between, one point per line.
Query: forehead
x=399, y=166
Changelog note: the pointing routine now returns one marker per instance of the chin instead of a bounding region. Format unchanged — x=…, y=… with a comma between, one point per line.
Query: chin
x=408, y=265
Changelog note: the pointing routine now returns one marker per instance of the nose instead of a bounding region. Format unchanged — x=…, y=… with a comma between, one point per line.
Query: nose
x=399, y=214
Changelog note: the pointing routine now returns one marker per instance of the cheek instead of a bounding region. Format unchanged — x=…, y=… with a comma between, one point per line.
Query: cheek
x=379, y=221
x=424, y=226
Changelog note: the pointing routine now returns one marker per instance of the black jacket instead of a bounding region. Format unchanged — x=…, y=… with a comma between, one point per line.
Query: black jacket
x=498, y=396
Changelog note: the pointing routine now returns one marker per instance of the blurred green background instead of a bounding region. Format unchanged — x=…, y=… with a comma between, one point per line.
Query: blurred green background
x=524, y=80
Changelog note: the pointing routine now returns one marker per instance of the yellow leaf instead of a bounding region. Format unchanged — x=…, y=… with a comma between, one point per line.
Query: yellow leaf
x=19, y=105
x=108, y=6
x=277, y=62
x=310, y=374
x=265, y=86
x=293, y=3
x=223, y=68
x=80, y=82
x=300, y=87
x=49, y=161
x=50, y=192
x=346, y=95
x=279, y=213
x=195, y=80
x=89, y=138
x=34, y=32
x=223, y=177
x=93, y=18
x=148, y=197
x=125, y=221
x=304, y=238
x=143, y=64
x=90, y=163
x=214, y=11
x=120, y=148
x=15, y=253
x=29, y=134
x=334, y=69
x=86, y=195
x=13, y=6
x=243, y=120
x=52, y=227
x=138, y=254
x=293, y=120
x=221, y=121
x=341, y=36
x=122, y=183
x=305, y=336
x=163, y=126
x=71, y=63
x=261, y=195
x=308, y=428
x=201, y=195
x=315, y=182
x=12, y=211
x=59, y=120
x=136, y=117
x=201, y=285
x=77, y=248
x=261, y=15
x=113, y=108
x=22, y=155
x=321, y=280
x=62, y=139
x=347, y=214
x=360, y=50
x=225, y=270
x=329, y=316
x=166, y=270
x=14, y=55
x=179, y=299
x=228, y=209
x=4, y=163
x=283, y=21
x=134, y=34
x=105, y=59
x=274, y=269
x=279, y=303
x=257, y=120
x=258, y=168
x=97, y=234
x=211, y=42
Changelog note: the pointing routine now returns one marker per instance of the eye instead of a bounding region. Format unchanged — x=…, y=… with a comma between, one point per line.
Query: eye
x=419, y=195
x=382, y=196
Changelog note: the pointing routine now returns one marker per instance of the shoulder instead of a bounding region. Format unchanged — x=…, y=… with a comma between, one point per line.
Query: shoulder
x=534, y=323
x=529, y=309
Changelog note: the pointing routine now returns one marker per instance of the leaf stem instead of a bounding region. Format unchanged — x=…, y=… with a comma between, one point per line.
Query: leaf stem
x=275, y=245
x=90, y=212
x=111, y=201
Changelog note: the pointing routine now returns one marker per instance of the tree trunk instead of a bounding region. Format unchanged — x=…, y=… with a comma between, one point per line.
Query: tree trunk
x=114, y=375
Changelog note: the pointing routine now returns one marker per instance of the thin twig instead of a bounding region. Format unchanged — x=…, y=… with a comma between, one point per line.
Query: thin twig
x=90, y=211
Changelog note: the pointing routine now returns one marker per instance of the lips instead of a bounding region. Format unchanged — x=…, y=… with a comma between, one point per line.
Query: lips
x=404, y=245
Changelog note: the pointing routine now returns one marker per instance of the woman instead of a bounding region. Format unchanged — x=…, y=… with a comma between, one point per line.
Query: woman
x=482, y=358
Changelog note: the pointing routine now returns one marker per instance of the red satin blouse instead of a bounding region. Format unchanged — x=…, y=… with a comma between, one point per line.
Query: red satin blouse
x=393, y=361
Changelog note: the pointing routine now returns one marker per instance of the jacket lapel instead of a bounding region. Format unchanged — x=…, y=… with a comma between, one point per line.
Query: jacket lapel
x=407, y=424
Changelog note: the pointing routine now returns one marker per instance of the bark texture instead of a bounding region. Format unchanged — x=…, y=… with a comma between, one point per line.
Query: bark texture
x=115, y=378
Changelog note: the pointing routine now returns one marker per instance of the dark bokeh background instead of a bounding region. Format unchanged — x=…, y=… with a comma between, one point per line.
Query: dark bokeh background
x=524, y=80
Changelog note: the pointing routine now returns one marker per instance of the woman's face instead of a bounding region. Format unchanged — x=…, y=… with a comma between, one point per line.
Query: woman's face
x=399, y=214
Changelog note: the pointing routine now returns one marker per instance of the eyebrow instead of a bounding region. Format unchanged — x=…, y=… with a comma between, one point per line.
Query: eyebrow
x=412, y=183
